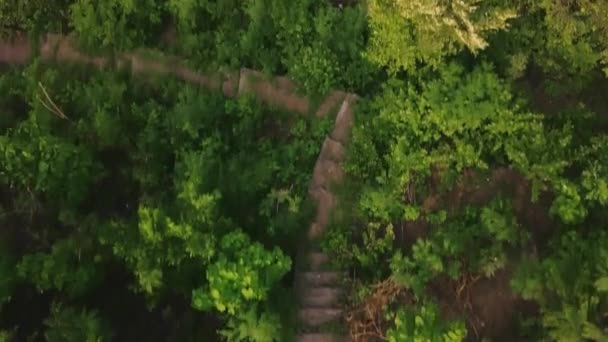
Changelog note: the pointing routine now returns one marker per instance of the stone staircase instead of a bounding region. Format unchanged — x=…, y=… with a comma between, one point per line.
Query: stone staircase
x=317, y=285
x=320, y=296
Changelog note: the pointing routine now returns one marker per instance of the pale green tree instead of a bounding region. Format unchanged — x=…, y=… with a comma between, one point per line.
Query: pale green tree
x=404, y=32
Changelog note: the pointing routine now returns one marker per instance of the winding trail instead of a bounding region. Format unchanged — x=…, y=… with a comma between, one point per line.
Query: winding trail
x=317, y=285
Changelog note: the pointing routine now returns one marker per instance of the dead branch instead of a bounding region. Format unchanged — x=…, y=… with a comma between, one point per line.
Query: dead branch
x=55, y=109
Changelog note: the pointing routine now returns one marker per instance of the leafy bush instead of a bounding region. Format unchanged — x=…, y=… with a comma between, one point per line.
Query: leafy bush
x=478, y=241
x=71, y=325
x=46, y=164
x=249, y=326
x=423, y=324
x=236, y=285
x=315, y=69
x=65, y=268
x=200, y=185
x=37, y=16
x=571, y=286
x=118, y=24
x=406, y=32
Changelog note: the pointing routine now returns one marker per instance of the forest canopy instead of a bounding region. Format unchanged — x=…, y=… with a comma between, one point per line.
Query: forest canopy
x=137, y=206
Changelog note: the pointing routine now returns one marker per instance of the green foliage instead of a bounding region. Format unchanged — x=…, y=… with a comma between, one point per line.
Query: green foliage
x=6, y=336
x=455, y=123
x=249, y=326
x=188, y=197
x=71, y=325
x=477, y=241
x=37, y=17
x=279, y=207
x=574, y=35
x=415, y=271
x=415, y=141
x=587, y=190
x=180, y=189
x=483, y=237
x=568, y=204
x=315, y=68
x=318, y=45
x=242, y=275
x=569, y=284
x=216, y=25
x=365, y=251
x=423, y=324
x=46, y=164
x=594, y=178
x=160, y=241
x=63, y=268
x=117, y=24
x=405, y=32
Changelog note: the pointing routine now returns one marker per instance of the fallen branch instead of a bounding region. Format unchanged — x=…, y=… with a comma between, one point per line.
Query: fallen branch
x=366, y=321
x=55, y=110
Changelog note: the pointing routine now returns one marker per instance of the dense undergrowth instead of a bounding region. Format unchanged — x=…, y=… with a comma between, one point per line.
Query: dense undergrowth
x=195, y=198
x=477, y=173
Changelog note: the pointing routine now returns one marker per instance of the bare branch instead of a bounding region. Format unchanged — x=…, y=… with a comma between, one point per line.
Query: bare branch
x=55, y=108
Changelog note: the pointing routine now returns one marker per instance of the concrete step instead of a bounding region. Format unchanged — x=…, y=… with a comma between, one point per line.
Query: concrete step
x=320, y=297
x=332, y=150
x=314, y=261
x=316, y=279
x=314, y=317
x=319, y=338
